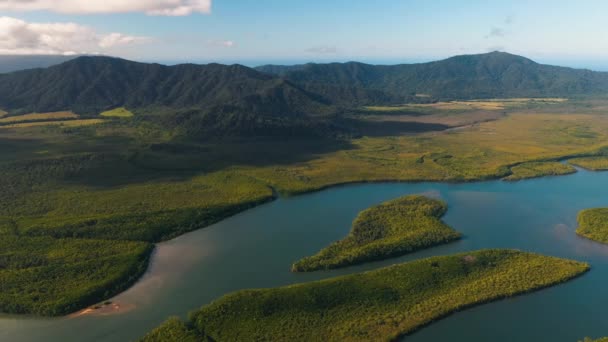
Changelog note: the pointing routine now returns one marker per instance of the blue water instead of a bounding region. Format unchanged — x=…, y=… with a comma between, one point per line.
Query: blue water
x=256, y=248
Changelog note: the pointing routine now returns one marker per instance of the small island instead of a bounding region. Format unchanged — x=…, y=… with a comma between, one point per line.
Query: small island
x=392, y=228
x=593, y=224
x=539, y=169
x=378, y=305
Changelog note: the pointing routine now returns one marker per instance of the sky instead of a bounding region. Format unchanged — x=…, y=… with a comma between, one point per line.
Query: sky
x=293, y=31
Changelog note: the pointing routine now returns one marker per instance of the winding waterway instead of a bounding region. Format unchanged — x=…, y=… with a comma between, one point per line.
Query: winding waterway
x=255, y=249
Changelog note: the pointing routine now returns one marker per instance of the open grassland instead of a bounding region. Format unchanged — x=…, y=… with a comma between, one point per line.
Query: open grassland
x=378, y=305
x=390, y=229
x=539, y=169
x=62, y=123
x=489, y=104
x=485, y=151
x=593, y=224
x=591, y=163
x=38, y=117
x=47, y=276
x=117, y=113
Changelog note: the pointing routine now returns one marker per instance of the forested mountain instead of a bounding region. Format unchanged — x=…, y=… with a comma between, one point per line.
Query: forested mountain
x=495, y=74
x=216, y=99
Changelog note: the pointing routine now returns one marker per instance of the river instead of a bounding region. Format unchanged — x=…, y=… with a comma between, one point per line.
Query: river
x=256, y=248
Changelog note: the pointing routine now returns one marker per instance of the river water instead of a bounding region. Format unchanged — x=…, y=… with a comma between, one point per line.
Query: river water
x=256, y=248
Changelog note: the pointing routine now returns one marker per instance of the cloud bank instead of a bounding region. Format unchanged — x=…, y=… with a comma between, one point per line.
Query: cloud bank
x=150, y=7
x=18, y=37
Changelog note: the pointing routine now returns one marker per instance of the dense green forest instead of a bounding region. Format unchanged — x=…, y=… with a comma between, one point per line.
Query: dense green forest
x=390, y=229
x=491, y=75
x=377, y=305
x=51, y=277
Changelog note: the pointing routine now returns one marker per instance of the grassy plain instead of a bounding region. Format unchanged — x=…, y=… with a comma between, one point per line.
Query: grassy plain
x=120, y=112
x=390, y=229
x=490, y=104
x=593, y=224
x=591, y=163
x=379, y=305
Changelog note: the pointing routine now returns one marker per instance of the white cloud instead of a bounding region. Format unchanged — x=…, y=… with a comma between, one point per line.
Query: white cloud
x=150, y=7
x=20, y=37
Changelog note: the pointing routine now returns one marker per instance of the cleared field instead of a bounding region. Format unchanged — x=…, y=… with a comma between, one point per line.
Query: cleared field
x=539, y=169
x=2, y=113
x=599, y=163
x=390, y=229
x=67, y=123
x=39, y=117
x=379, y=305
x=117, y=113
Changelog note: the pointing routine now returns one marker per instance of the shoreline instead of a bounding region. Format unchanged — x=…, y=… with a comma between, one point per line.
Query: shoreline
x=89, y=310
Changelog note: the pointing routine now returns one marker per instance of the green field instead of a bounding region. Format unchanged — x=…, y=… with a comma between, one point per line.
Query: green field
x=588, y=339
x=593, y=224
x=378, y=305
x=120, y=112
x=390, y=229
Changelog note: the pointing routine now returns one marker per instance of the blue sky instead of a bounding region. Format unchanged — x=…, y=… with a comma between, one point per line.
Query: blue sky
x=380, y=31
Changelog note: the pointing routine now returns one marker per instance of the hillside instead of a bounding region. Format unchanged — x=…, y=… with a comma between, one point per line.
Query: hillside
x=217, y=100
x=495, y=74
x=92, y=84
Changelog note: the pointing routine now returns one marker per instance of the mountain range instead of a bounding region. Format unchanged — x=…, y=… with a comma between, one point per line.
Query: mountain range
x=239, y=99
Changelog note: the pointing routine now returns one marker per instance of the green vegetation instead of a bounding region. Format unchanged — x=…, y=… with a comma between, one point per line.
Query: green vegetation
x=390, y=229
x=599, y=163
x=47, y=276
x=189, y=157
x=589, y=339
x=379, y=305
x=593, y=224
x=483, y=76
x=120, y=112
x=173, y=330
x=539, y=169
